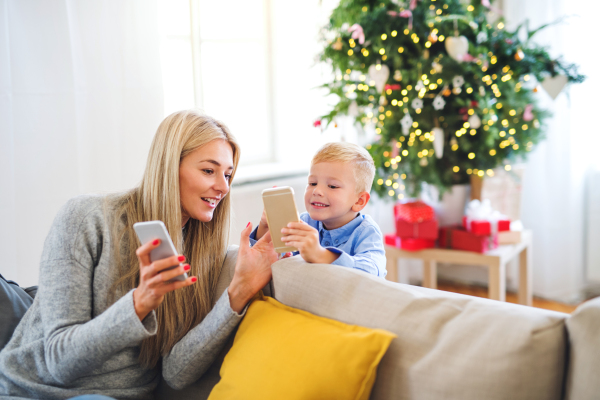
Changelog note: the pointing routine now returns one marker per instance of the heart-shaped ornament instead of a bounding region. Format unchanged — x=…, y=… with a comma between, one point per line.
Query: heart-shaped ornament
x=457, y=47
x=475, y=121
x=554, y=85
x=380, y=74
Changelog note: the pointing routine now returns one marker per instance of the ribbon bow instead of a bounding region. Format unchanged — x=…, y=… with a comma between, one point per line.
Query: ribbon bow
x=357, y=33
x=483, y=211
x=403, y=14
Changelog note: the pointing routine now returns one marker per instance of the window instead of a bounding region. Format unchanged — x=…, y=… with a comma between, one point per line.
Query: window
x=251, y=64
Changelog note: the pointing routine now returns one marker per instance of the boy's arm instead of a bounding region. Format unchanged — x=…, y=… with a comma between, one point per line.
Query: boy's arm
x=369, y=255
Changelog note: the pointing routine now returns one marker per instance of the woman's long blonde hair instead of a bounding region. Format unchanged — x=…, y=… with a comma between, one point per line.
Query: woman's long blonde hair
x=204, y=244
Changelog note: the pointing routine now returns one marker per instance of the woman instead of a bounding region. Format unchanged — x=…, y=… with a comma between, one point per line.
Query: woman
x=106, y=320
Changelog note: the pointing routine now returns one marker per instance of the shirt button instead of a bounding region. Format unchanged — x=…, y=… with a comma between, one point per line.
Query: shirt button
x=327, y=243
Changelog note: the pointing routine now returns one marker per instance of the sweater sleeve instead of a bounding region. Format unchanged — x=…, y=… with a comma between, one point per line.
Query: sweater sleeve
x=369, y=253
x=189, y=359
x=75, y=343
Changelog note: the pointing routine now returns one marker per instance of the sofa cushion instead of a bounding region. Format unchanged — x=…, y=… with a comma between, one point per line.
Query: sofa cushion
x=449, y=346
x=280, y=352
x=14, y=303
x=584, y=352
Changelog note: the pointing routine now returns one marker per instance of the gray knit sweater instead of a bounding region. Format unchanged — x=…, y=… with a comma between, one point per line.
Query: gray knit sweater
x=71, y=342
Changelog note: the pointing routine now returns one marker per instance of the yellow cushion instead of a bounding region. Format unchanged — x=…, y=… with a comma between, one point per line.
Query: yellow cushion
x=281, y=352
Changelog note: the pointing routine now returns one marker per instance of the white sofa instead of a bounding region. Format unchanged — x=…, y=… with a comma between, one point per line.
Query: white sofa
x=449, y=346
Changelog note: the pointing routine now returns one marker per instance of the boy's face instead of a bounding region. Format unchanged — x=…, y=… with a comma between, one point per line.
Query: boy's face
x=331, y=194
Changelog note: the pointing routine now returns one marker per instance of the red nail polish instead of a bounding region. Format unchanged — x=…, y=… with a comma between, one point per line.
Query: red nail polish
x=181, y=258
x=186, y=267
x=194, y=279
x=248, y=224
x=155, y=242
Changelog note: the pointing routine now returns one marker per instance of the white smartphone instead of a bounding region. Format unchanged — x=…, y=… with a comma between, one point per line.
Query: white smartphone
x=151, y=230
x=281, y=209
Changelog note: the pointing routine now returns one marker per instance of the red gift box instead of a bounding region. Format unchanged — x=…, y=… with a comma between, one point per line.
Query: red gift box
x=415, y=211
x=459, y=239
x=484, y=228
x=410, y=244
x=417, y=230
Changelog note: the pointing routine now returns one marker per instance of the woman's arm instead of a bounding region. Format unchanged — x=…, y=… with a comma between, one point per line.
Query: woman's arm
x=75, y=343
x=195, y=352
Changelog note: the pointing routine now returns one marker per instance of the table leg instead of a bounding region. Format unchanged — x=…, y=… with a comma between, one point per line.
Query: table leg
x=392, y=268
x=430, y=274
x=525, y=276
x=497, y=281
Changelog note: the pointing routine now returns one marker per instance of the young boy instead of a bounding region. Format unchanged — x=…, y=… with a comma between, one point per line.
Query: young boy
x=333, y=231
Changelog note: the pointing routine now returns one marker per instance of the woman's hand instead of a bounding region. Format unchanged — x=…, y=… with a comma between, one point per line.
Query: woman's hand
x=252, y=270
x=154, y=280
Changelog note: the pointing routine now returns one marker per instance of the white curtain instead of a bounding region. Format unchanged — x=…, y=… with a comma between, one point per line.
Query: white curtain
x=554, y=184
x=80, y=99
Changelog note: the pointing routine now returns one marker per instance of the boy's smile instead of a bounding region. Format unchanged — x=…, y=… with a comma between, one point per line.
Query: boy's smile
x=331, y=194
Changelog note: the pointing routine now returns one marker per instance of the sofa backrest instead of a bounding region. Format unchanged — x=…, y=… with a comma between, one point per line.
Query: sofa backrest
x=449, y=346
x=584, y=352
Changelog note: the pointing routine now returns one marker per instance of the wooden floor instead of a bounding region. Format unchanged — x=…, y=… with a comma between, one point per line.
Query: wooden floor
x=480, y=291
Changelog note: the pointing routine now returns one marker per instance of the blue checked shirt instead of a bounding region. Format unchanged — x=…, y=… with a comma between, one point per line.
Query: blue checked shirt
x=359, y=243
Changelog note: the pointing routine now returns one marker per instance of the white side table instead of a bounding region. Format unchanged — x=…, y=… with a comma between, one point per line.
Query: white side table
x=495, y=260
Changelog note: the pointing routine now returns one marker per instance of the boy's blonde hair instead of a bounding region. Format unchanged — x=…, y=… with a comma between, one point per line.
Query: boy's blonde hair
x=361, y=160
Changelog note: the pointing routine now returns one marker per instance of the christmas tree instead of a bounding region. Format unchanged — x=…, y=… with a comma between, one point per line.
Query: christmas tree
x=451, y=96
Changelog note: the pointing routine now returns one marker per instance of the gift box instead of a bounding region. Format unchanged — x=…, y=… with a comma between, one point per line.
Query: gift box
x=417, y=230
x=509, y=237
x=458, y=238
x=415, y=211
x=481, y=219
x=410, y=244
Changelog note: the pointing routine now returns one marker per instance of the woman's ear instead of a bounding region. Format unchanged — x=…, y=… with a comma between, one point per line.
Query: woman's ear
x=363, y=200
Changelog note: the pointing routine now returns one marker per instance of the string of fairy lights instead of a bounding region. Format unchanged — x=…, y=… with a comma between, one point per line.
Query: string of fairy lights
x=401, y=79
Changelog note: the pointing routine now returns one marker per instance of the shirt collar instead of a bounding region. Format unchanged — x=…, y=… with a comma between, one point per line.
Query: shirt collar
x=343, y=232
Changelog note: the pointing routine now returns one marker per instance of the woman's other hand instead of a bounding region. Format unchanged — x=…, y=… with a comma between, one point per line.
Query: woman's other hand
x=252, y=270
x=155, y=277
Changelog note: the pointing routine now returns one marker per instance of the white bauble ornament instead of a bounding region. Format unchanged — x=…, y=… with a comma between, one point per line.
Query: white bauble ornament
x=351, y=95
x=554, y=85
x=458, y=81
x=397, y=75
x=417, y=103
x=380, y=74
x=482, y=37
x=345, y=27
x=406, y=123
x=438, y=142
x=437, y=67
x=457, y=47
x=481, y=91
x=420, y=85
x=475, y=121
x=438, y=102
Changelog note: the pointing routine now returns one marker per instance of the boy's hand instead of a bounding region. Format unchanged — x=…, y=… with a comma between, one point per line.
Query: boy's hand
x=306, y=239
x=263, y=226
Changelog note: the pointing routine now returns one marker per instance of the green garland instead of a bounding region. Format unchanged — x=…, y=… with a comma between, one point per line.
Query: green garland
x=497, y=89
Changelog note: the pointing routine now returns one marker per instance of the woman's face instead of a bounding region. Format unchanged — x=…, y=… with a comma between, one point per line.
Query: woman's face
x=204, y=180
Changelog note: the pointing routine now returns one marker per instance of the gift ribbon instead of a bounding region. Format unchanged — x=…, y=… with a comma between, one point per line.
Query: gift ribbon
x=403, y=14
x=357, y=33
